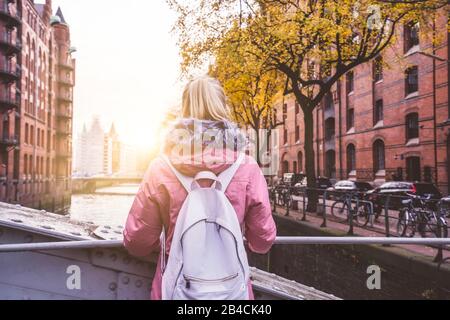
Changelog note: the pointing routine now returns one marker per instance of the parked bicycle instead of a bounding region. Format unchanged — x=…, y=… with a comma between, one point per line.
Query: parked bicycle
x=418, y=215
x=280, y=195
x=353, y=206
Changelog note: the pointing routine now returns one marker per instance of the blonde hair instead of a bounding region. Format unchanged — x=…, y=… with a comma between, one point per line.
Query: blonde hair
x=204, y=99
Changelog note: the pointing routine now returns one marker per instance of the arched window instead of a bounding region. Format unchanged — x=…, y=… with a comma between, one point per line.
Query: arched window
x=300, y=161
x=26, y=134
x=351, y=158
x=412, y=126
x=28, y=56
x=411, y=80
x=30, y=164
x=32, y=142
x=413, y=169
x=284, y=164
x=329, y=102
x=25, y=164
x=330, y=129
x=330, y=164
x=33, y=60
x=378, y=155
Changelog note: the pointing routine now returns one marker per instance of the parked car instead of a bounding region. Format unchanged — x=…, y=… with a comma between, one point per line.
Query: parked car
x=292, y=179
x=349, y=186
x=322, y=183
x=399, y=190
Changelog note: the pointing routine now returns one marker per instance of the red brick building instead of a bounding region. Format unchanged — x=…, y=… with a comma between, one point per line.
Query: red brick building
x=36, y=89
x=383, y=119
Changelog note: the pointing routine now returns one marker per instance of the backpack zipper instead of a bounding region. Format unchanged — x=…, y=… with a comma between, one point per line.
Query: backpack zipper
x=190, y=279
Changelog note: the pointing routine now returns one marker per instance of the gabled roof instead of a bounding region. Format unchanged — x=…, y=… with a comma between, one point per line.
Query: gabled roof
x=60, y=15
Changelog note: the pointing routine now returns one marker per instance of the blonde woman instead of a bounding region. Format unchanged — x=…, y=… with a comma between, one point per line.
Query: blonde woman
x=204, y=138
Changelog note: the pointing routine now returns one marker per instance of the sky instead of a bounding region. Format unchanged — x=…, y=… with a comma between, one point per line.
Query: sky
x=127, y=64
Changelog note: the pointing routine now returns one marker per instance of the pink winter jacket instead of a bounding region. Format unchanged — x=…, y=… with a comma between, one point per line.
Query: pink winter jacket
x=161, y=196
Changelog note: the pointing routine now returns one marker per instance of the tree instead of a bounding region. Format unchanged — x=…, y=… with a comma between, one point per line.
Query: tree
x=252, y=91
x=313, y=43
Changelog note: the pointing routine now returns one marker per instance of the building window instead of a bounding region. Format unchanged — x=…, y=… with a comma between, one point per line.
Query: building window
x=378, y=156
x=47, y=170
x=412, y=80
x=378, y=114
x=285, y=166
x=411, y=35
x=32, y=135
x=25, y=164
x=378, y=69
x=351, y=158
x=297, y=133
x=297, y=108
x=350, y=118
x=330, y=129
x=285, y=108
x=330, y=164
x=412, y=126
x=300, y=161
x=349, y=82
x=413, y=169
x=26, y=133
x=329, y=103
x=30, y=165
x=285, y=136
x=38, y=137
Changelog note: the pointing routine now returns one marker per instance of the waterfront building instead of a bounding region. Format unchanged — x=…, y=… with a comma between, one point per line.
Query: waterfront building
x=386, y=119
x=129, y=161
x=102, y=153
x=37, y=76
x=91, y=150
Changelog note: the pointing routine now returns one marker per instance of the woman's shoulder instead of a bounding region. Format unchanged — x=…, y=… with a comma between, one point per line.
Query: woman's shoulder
x=249, y=167
x=157, y=171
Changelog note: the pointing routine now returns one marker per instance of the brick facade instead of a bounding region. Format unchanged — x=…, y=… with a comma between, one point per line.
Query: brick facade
x=36, y=126
x=355, y=139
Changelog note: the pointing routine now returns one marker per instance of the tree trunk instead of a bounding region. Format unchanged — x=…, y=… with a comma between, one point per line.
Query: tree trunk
x=258, y=146
x=310, y=159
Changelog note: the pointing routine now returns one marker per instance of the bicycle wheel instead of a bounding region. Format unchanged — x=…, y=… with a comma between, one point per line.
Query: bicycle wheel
x=406, y=225
x=433, y=228
x=364, y=215
x=339, y=210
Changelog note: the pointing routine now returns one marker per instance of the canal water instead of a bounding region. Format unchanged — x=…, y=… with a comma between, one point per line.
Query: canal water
x=108, y=206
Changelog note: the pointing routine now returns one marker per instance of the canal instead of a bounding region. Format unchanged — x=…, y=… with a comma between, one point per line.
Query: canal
x=340, y=270
x=108, y=206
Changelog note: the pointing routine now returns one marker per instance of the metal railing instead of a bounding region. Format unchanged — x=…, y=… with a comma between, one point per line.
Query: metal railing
x=5, y=9
x=10, y=70
x=9, y=99
x=359, y=209
x=9, y=139
x=8, y=39
x=111, y=244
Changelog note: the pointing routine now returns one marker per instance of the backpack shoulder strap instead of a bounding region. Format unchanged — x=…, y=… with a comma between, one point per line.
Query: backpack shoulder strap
x=184, y=180
x=226, y=176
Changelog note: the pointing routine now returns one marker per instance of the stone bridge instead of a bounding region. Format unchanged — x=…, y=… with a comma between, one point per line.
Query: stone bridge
x=91, y=184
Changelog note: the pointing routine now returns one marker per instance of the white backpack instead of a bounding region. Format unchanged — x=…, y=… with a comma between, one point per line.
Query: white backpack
x=207, y=259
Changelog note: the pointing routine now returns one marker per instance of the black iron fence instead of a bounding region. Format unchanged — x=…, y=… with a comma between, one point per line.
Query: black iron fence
x=401, y=216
